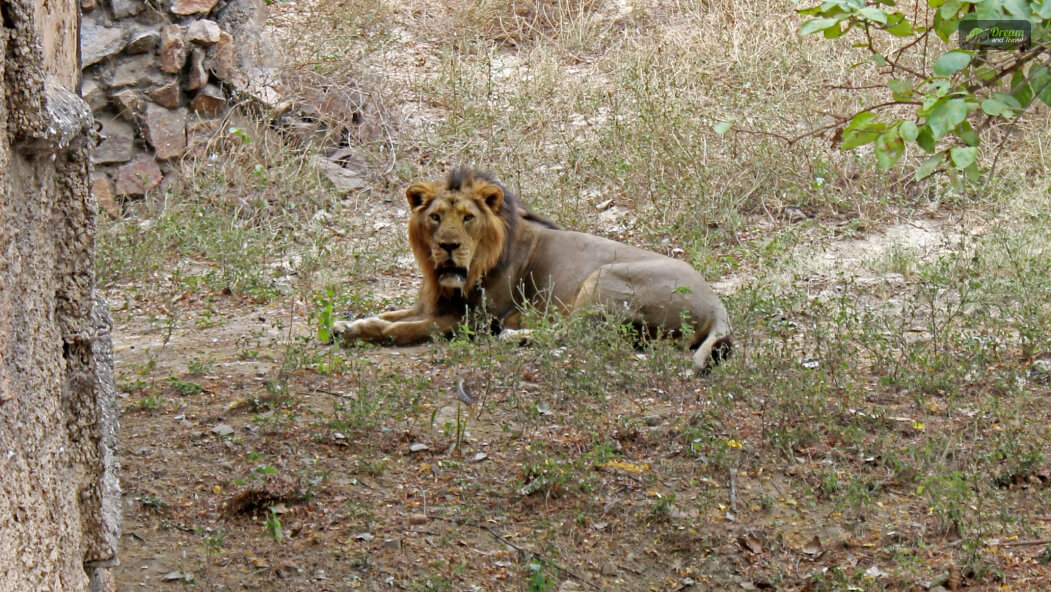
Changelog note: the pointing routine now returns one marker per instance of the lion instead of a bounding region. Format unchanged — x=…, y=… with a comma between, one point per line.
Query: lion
x=481, y=250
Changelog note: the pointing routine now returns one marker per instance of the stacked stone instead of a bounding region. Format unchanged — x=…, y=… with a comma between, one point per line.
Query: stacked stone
x=151, y=71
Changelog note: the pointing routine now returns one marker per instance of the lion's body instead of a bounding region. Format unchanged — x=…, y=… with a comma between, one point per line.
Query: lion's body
x=480, y=249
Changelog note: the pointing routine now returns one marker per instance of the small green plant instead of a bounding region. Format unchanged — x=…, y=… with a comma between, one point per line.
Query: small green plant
x=152, y=501
x=151, y=402
x=198, y=366
x=184, y=388
x=213, y=542
x=661, y=508
x=272, y=526
x=322, y=315
x=537, y=581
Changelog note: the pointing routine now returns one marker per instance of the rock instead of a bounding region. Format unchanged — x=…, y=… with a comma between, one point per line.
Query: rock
x=142, y=41
x=204, y=32
x=168, y=95
x=223, y=430
x=93, y=94
x=173, y=49
x=134, y=71
x=343, y=180
x=794, y=215
x=166, y=129
x=200, y=132
x=102, y=189
x=118, y=141
x=126, y=8
x=138, y=176
x=221, y=58
x=1040, y=371
x=209, y=101
x=198, y=76
x=185, y=7
x=130, y=102
x=239, y=13
x=98, y=43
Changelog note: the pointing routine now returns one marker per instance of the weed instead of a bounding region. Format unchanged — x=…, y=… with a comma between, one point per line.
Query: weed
x=184, y=388
x=272, y=526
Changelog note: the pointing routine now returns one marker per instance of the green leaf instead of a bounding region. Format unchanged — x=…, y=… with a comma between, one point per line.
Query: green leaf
x=874, y=14
x=967, y=134
x=889, y=149
x=972, y=172
x=1020, y=88
x=858, y=138
x=908, y=131
x=898, y=25
x=834, y=32
x=925, y=139
x=1040, y=81
x=952, y=62
x=946, y=115
x=929, y=166
x=945, y=27
x=818, y=24
x=880, y=60
x=1017, y=8
x=1008, y=100
x=949, y=9
x=722, y=127
x=901, y=90
x=993, y=107
x=963, y=157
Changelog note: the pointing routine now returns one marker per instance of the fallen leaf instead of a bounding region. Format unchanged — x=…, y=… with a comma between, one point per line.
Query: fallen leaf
x=751, y=543
x=813, y=547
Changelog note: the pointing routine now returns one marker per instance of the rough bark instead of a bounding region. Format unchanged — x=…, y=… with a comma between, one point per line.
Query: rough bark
x=59, y=495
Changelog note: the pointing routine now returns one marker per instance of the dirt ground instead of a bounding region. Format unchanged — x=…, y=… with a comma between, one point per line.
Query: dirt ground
x=410, y=503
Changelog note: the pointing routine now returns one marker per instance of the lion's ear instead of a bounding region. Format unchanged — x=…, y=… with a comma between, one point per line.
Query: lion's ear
x=418, y=193
x=492, y=194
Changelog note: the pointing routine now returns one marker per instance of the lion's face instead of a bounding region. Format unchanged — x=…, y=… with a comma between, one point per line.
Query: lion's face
x=457, y=236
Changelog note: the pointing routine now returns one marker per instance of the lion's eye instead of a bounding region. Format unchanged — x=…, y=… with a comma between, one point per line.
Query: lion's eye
x=436, y=217
x=468, y=217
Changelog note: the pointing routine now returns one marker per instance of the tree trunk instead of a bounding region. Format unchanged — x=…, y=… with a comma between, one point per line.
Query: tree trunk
x=59, y=495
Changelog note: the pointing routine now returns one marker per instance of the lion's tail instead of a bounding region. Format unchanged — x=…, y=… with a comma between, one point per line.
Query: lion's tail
x=718, y=346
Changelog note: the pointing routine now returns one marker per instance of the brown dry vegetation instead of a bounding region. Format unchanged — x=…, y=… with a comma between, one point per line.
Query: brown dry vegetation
x=879, y=429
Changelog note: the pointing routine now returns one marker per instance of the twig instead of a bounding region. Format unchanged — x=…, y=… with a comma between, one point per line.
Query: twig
x=1027, y=543
x=561, y=569
x=733, y=492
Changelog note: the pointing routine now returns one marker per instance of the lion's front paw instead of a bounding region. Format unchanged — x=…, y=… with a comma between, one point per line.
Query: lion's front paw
x=369, y=329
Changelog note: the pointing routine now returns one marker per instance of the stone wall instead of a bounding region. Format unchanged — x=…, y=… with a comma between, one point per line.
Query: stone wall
x=157, y=72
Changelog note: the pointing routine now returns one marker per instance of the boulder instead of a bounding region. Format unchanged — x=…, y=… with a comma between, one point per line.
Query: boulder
x=118, y=141
x=198, y=76
x=167, y=95
x=204, y=32
x=130, y=104
x=187, y=7
x=135, y=71
x=102, y=189
x=222, y=61
x=209, y=101
x=166, y=129
x=93, y=94
x=142, y=41
x=138, y=176
x=173, y=49
x=126, y=8
x=98, y=42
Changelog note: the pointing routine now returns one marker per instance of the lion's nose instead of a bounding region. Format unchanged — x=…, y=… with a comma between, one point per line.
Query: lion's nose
x=449, y=247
